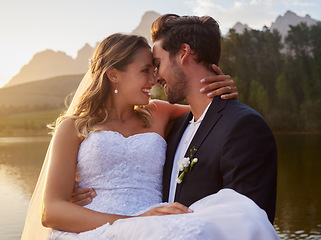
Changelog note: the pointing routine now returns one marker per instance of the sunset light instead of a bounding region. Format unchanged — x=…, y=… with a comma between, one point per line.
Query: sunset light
x=215, y=124
x=67, y=26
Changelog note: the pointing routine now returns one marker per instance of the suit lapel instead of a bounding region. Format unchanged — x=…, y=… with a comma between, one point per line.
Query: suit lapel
x=177, y=136
x=211, y=117
x=173, y=142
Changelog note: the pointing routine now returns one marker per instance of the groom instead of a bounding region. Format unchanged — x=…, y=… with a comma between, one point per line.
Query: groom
x=233, y=144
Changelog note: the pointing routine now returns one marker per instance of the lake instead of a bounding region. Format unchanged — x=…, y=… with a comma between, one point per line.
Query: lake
x=298, y=214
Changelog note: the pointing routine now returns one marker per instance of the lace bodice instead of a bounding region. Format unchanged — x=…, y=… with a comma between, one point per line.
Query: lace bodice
x=126, y=173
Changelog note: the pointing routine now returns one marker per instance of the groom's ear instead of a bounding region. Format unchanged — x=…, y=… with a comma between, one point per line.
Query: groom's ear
x=112, y=74
x=184, y=52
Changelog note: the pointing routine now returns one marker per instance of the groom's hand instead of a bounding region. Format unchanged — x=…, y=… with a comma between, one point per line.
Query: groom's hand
x=173, y=208
x=82, y=196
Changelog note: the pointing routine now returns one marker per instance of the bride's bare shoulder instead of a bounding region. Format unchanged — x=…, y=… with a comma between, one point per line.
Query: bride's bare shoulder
x=67, y=124
x=67, y=130
x=157, y=105
x=172, y=111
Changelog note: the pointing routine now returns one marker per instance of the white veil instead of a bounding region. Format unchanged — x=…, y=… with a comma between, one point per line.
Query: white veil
x=33, y=229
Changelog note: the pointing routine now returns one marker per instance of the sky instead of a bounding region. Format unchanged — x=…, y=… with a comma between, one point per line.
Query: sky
x=31, y=26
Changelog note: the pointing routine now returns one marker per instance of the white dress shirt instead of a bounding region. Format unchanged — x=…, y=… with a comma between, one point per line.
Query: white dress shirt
x=186, y=140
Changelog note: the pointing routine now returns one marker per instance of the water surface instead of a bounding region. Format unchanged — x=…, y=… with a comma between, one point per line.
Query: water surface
x=20, y=163
x=298, y=214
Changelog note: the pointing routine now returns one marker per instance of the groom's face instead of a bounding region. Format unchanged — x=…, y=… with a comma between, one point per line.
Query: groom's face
x=169, y=74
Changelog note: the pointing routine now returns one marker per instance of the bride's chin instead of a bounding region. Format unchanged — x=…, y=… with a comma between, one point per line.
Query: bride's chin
x=142, y=103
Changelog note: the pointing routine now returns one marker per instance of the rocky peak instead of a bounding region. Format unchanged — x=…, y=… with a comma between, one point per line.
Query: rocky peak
x=83, y=56
x=240, y=28
x=144, y=26
x=282, y=23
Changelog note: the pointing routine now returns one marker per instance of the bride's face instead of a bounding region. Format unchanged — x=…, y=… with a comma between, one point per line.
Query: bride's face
x=137, y=80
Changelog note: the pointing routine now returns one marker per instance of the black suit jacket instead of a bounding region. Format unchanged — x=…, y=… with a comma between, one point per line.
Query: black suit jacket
x=235, y=149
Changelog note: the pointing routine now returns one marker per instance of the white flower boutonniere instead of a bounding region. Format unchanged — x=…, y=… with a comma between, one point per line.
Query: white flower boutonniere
x=186, y=164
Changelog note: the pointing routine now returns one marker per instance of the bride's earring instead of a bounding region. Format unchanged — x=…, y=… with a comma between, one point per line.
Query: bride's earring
x=116, y=90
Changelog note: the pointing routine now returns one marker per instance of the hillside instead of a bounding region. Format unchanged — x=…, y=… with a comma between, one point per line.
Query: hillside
x=50, y=91
x=48, y=63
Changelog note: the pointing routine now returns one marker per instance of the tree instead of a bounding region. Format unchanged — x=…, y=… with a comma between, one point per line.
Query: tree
x=284, y=86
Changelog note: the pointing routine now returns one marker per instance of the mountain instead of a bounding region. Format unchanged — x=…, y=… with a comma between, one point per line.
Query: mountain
x=282, y=23
x=48, y=63
x=144, y=27
x=83, y=56
x=240, y=28
x=52, y=91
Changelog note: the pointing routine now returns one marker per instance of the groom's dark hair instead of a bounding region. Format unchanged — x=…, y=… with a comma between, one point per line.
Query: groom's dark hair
x=202, y=34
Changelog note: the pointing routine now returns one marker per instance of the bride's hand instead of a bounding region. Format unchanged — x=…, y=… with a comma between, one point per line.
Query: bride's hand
x=82, y=196
x=173, y=208
x=219, y=84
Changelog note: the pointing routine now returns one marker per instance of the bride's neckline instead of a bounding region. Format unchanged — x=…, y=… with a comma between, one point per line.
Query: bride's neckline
x=130, y=136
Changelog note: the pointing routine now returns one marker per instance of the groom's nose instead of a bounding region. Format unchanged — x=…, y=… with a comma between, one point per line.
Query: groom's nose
x=152, y=80
x=158, y=80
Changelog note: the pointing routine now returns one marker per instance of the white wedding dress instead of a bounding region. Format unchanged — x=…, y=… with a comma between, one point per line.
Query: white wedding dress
x=126, y=174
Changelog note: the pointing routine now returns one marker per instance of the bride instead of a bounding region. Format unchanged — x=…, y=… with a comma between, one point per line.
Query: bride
x=112, y=139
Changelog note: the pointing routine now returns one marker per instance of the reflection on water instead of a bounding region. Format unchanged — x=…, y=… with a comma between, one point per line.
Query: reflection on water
x=298, y=214
x=14, y=202
x=20, y=164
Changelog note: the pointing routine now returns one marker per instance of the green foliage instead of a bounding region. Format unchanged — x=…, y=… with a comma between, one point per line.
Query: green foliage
x=283, y=83
x=28, y=123
x=157, y=92
x=259, y=97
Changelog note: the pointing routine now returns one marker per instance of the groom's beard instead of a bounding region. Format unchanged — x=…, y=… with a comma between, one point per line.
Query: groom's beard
x=176, y=90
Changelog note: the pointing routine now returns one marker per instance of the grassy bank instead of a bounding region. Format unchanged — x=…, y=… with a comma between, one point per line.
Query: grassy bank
x=34, y=124
x=28, y=124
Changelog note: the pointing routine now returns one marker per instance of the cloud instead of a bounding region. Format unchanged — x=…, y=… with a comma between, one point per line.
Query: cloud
x=255, y=13
x=304, y=4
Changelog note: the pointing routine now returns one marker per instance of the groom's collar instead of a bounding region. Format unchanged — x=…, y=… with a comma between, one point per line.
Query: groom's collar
x=202, y=117
x=211, y=116
x=216, y=105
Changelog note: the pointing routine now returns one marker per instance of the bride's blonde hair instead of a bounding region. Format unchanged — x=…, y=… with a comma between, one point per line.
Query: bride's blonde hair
x=116, y=51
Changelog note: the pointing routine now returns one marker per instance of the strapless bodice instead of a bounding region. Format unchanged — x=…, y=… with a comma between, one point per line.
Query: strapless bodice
x=126, y=172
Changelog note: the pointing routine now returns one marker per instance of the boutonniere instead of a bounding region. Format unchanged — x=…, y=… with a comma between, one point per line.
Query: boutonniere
x=186, y=164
